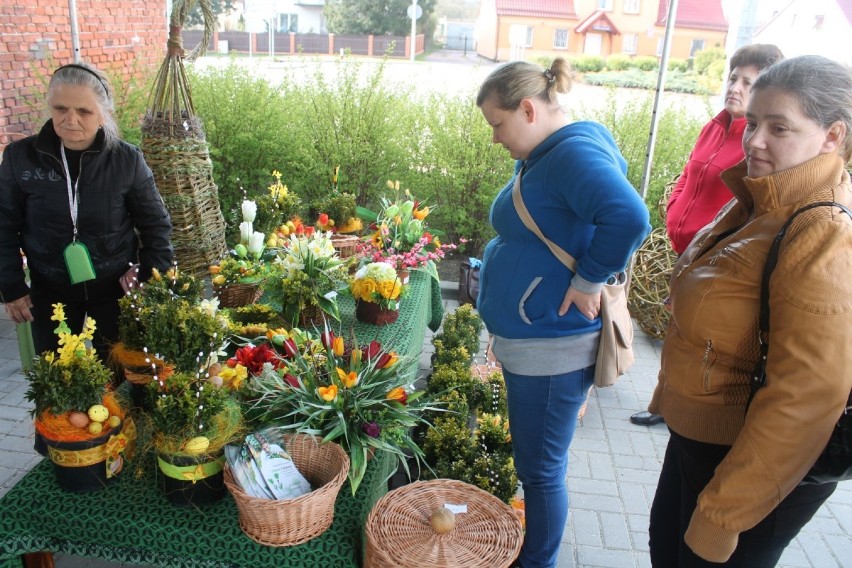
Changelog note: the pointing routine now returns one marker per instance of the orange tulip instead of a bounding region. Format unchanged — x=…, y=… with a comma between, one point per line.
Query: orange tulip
x=328, y=393
x=349, y=380
x=337, y=346
x=398, y=394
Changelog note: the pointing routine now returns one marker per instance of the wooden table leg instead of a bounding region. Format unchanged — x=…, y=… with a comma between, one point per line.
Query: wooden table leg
x=38, y=560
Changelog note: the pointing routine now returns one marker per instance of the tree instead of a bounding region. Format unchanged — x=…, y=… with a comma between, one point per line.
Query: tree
x=196, y=19
x=377, y=17
x=457, y=9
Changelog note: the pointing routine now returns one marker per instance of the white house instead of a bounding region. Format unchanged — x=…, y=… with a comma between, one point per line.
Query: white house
x=299, y=16
x=801, y=27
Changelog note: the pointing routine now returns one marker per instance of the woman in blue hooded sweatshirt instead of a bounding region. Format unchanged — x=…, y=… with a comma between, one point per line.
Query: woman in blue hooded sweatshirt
x=545, y=319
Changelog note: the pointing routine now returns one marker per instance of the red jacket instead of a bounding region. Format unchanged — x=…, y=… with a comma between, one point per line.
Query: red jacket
x=700, y=193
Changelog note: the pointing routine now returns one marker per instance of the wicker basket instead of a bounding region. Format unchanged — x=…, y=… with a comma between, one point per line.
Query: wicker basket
x=293, y=521
x=399, y=534
x=238, y=295
x=311, y=317
x=345, y=245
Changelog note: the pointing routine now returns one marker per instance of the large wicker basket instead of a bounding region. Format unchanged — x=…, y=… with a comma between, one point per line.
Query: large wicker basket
x=399, y=533
x=294, y=521
x=238, y=295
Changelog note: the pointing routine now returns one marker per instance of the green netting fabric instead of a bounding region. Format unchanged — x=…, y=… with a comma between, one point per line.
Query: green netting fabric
x=132, y=521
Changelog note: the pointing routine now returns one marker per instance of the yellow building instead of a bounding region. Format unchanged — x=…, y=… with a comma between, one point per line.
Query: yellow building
x=525, y=29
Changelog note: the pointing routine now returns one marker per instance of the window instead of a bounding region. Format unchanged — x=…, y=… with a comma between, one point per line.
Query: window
x=629, y=43
x=288, y=23
x=605, y=5
x=520, y=35
x=560, y=39
x=697, y=45
x=631, y=6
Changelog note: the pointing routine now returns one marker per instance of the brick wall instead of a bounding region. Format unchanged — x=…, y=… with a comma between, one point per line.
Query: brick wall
x=120, y=37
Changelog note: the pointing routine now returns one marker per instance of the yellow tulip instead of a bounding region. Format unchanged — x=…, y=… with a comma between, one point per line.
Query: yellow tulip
x=349, y=380
x=337, y=346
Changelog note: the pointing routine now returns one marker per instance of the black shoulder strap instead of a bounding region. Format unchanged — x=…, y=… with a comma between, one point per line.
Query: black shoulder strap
x=759, y=376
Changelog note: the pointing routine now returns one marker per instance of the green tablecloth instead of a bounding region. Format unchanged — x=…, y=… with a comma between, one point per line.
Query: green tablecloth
x=132, y=521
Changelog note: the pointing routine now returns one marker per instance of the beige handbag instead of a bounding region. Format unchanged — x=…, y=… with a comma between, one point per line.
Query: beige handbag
x=615, y=350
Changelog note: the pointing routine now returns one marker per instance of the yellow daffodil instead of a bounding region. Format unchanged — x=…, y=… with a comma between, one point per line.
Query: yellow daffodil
x=327, y=393
x=349, y=379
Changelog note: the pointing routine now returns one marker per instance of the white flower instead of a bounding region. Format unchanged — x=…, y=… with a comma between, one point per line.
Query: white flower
x=246, y=231
x=249, y=210
x=209, y=307
x=255, y=244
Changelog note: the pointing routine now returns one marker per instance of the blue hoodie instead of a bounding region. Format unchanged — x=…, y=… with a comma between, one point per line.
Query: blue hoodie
x=575, y=188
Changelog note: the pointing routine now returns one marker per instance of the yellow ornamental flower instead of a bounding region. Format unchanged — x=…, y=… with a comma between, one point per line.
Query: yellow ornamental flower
x=397, y=220
x=327, y=393
x=50, y=356
x=155, y=274
x=234, y=376
x=58, y=312
x=368, y=288
x=386, y=289
x=376, y=239
x=88, y=329
x=349, y=380
x=420, y=214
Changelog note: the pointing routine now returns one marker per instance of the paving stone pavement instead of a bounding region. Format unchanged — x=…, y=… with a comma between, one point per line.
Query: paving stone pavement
x=613, y=470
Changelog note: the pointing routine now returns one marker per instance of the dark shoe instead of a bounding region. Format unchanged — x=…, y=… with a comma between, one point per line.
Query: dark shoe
x=645, y=418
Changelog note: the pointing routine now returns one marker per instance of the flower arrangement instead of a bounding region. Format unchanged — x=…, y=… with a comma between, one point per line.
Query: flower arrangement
x=400, y=235
x=355, y=395
x=336, y=210
x=378, y=283
x=276, y=206
x=71, y=379
x=307, y=272
x=245, y=264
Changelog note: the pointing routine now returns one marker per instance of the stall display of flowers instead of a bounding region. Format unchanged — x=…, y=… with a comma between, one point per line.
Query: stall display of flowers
x=400, y=236
x=276, y=207
x=355, y=395
x=377, y=289
x=307, y=274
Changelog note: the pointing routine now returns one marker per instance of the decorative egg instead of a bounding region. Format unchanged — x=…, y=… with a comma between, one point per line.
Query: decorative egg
x=99, y=413
x=113, y=421
x=442, y=520
x=78, y=419
x=95, y=427
x=197, y=445
x=217, y=381
x=214, y=369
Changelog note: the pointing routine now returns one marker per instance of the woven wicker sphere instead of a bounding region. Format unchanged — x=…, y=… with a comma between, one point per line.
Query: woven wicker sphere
x=399, y=532
x=649, y=285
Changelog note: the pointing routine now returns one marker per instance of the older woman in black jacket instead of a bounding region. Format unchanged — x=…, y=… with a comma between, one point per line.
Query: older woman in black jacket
x=77, y=182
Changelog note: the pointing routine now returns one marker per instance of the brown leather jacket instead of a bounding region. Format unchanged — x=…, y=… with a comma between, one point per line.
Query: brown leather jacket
x=711, y=344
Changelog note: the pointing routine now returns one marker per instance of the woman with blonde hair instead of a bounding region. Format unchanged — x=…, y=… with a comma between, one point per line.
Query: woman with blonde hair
x=545, y=318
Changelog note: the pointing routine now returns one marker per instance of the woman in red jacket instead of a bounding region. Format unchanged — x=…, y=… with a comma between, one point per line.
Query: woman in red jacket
x=700, y=193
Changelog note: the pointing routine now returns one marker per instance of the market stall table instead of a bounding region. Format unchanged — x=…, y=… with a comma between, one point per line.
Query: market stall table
x=131, y=520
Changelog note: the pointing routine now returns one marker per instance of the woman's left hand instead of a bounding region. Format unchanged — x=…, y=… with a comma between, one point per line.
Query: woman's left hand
x=128, y=280
x=588, y=304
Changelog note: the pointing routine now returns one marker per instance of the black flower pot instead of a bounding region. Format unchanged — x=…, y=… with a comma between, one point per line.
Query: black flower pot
x=82, y=466
x=192, y=480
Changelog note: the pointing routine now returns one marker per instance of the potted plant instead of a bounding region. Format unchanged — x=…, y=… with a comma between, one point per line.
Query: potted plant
x=236, y=278
x=400, y=235
x=277, y=206
x=377, y=289
x=355, y=395
x=305, y=278
x=83, y=427
x=191, y=420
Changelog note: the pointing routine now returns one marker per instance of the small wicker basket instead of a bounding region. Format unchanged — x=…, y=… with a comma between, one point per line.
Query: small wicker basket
x=345, y=245
x=294, y=521
x=238, y=295
x=399, y=533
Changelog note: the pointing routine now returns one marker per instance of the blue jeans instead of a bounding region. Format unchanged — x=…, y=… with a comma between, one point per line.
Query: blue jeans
x=542, y=417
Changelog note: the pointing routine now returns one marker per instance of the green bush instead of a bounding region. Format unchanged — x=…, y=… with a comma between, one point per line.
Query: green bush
x=618, y=62
x=587, y=63
x=676, y=81
x=705, y=57
x=681, y=65
x=248, y=122
x=647, y=63
x=458, y=169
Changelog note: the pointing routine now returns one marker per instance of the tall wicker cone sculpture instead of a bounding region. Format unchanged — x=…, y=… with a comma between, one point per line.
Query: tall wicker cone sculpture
x=176, y=149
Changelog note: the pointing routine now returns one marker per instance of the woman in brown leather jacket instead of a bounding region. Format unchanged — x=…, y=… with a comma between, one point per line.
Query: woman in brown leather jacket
x=729, y=491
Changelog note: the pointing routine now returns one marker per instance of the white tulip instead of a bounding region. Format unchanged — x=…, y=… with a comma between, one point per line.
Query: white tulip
x=246, y=231
x=255, y=245
x=249, y=210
